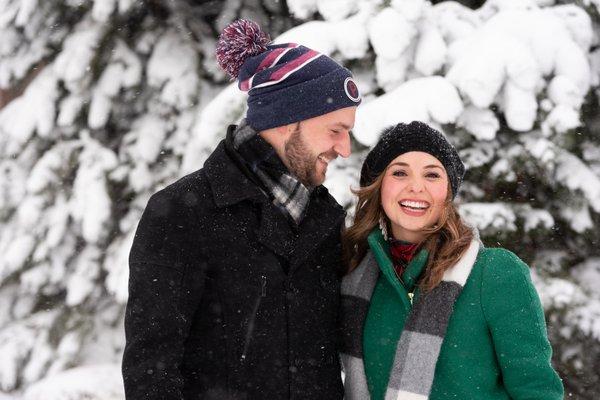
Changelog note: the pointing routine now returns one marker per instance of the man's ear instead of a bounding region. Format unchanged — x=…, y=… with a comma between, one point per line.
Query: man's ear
x=282, y=133
x=276, y=136
x=291, y=128
x=279, y=130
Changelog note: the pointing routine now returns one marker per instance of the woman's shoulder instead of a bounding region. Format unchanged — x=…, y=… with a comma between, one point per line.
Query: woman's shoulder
x=504, y=274
x=498, y=260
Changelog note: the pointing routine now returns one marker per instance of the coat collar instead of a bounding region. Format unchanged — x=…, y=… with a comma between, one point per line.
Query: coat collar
x=381, y=250
x=323, y=218
x=231, y=185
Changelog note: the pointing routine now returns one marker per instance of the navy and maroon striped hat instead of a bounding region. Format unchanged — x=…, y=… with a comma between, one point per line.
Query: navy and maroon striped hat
x=287, y=82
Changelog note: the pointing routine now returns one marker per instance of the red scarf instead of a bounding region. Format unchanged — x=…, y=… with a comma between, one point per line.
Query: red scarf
x=402, y=253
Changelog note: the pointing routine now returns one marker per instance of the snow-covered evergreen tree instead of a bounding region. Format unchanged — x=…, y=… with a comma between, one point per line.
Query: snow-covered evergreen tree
x=108, y=101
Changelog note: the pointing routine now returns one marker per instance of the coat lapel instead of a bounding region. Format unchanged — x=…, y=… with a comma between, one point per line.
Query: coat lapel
x=322, y=218
x=275, y=231
x=297, y=244
x=228, y=183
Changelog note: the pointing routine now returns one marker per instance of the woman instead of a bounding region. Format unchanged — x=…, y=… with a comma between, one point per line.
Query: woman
x=428, y=312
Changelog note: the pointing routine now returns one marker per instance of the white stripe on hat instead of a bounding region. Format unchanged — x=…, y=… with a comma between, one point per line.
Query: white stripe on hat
x=269, y=83
x=281, y=55
x=273, y=63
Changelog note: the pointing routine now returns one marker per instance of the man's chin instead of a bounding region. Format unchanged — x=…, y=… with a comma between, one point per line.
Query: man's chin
x=320, y=173
x=317, y=180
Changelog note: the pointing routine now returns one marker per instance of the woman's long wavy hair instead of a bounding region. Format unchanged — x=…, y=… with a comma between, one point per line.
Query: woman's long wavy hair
x=446, y=242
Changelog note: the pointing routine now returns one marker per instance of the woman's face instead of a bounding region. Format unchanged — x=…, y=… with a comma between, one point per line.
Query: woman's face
x=413, y=193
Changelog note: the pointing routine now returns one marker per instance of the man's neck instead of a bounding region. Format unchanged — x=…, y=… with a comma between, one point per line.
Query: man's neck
x=276, y=139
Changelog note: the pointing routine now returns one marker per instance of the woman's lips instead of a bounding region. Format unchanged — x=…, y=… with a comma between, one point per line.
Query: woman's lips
x=414, y=208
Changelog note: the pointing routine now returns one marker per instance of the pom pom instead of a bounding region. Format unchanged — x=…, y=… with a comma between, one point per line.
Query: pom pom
x=238, y=41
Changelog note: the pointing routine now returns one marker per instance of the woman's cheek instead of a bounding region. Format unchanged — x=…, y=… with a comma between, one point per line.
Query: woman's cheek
x=439, y=192
x=389, y=190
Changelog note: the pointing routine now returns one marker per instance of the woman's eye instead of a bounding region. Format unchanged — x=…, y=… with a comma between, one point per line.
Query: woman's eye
x=399, y=173
x=432, y=175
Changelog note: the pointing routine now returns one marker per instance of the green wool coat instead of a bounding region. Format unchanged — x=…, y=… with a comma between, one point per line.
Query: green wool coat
x=496, y=346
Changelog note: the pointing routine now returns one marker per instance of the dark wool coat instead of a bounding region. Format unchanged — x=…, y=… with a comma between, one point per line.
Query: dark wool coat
x=226, y=299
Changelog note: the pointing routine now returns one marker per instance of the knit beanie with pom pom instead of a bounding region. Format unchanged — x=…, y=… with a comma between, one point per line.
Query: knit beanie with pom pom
x=286, y=82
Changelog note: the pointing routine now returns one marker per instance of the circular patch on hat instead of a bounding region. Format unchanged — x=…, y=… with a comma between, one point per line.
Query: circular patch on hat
x=351, y=90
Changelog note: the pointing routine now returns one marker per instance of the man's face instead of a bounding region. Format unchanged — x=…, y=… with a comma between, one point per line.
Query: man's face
x=316, y=142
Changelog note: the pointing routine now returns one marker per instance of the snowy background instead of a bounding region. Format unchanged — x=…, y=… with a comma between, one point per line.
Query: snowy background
x=104, y=102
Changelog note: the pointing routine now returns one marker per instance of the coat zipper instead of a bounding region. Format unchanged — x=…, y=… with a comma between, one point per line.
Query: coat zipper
x=250, y=328
x=263, y=286
x=409, y=295
x=287, y=337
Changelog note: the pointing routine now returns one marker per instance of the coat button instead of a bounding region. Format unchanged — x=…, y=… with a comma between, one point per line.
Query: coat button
x=290, y=292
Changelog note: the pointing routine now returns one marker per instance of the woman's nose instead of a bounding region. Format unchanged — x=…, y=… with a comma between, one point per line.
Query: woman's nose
x=415, y=184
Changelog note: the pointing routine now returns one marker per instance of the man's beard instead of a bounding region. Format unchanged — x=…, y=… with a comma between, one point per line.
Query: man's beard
x=301, y=161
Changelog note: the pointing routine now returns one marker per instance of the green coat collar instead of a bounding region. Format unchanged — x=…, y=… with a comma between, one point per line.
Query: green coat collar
x=381, y=250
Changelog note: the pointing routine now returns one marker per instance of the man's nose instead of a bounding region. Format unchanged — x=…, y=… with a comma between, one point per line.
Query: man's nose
x=343, y=147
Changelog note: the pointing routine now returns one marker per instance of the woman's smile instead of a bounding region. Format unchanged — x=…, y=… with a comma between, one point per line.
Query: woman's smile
x=414, y=208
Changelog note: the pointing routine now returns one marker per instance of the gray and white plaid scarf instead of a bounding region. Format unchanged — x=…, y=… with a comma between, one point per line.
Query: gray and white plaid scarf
x=421, y=338
x=287, y=192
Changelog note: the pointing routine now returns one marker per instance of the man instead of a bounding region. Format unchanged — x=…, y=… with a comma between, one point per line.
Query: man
x=234, y=270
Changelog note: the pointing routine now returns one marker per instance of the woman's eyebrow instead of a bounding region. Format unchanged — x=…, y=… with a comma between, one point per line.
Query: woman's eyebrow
x=433, y=166
x=403, y=164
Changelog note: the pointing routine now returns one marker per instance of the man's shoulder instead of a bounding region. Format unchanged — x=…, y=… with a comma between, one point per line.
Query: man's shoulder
x=173, y=216
x=194, y=181
x=191, y=190
x=323, y=194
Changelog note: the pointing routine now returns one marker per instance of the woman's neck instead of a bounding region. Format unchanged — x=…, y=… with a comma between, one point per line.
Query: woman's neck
x=400, y=234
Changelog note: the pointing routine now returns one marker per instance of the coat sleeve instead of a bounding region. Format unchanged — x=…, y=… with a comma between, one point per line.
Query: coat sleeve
x=516, y=320
x=160, y=308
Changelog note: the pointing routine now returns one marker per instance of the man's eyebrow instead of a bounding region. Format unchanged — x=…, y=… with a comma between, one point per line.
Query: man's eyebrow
x=341, y=124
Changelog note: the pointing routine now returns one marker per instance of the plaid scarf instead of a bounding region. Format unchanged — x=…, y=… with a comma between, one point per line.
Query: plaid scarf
x=402, y=253
x=285, y=190
x=418, y=348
